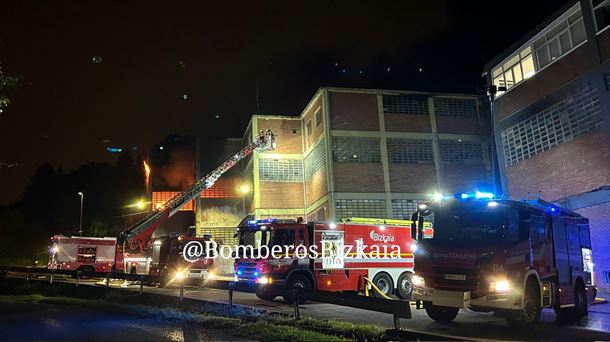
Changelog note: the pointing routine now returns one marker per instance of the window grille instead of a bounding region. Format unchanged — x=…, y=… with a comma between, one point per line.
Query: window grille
x=409, y=151
x=455, y=107
x=461, y=152
x=356, y=150
x=403, y=209
x=368, y=208
x=561, y=122
x=315, y=160
x=280, y=170
x=405, y=104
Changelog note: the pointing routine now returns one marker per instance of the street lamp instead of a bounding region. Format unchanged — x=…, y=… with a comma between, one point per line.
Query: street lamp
x=244, y=189
x=80, y=229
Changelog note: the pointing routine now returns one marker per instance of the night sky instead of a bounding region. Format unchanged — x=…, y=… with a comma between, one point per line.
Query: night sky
x=127, y=73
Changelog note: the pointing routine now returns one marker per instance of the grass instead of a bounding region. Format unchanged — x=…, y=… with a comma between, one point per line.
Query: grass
x=258, y=327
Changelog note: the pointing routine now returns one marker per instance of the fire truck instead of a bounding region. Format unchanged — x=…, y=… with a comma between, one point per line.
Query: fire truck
x=367, y=246
x=89, y=254
x=504, y=256
x=137, y=251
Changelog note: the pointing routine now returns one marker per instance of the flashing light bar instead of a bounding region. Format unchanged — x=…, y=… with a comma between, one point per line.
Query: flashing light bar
x=476, y=195
x=261, y=221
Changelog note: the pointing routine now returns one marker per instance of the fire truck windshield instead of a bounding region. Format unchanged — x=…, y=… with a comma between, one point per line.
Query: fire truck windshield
x=257, y=238
x=473, y=227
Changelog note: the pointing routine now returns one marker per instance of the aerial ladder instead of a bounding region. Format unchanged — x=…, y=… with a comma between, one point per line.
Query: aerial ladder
x=138, y=236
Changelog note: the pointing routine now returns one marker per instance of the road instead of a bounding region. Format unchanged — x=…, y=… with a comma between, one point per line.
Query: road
x=468, y=325
x=29, y=321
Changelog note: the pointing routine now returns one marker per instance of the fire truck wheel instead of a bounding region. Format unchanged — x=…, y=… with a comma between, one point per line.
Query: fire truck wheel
x=580, y=301
x=297, y=280
x=441, y=313
x=404, y=288
x=384, y=283
x=265, y=295
x=529, y=316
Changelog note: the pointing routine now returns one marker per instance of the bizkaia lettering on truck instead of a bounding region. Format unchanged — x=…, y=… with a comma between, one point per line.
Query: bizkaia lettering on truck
x=510, y=257
x=91, y=254
x=381, y=252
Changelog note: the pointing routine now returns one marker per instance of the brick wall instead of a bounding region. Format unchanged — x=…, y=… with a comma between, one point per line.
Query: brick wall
x=457, y=124
x=310, y=116
x=287, y=141
x=407, y=123
x=319, y=214
x=353, y=111
x=316, y=186
x=358, y=177
x=545, y=82
x=281, y=195
x=412, y=177
x=599, y=222
x=456, y=178
x=571, y=168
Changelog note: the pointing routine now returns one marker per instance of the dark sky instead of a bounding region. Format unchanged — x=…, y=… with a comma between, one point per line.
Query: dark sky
x=154, y=52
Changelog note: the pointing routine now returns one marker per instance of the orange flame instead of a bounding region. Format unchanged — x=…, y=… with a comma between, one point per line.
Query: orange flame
x=146, y=172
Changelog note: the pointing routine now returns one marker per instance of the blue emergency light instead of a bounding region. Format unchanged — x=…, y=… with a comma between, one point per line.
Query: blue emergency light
x=475, y=195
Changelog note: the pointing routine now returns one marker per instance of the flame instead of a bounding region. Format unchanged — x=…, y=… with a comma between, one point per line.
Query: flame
x=146, y=172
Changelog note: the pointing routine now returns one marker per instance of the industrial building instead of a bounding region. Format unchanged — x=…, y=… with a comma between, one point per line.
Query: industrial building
x=552, y=123
x=368, y=153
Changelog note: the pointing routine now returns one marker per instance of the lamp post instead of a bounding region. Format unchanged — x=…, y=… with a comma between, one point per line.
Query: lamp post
x=80, y=229
x=244, y=189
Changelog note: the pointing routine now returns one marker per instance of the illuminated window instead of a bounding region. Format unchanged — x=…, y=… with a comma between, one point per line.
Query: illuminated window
x=601, y=11
x=318, y=117
x=516, y=69
x=366, y=208
x=280, y=170
x=222, y=188
x=315, y=159
x=461, y=152
x=575, y=114
x=160, y=197
x=455, y=107
x=356, y=150
x=405, y=104
x=410, y=151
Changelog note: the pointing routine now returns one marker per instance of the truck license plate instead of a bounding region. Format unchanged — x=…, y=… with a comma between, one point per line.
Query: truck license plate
x=197, y=274
x=455, y=277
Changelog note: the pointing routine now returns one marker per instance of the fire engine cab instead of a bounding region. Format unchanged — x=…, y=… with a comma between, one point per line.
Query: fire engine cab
x=379, y=250
x=510, y=257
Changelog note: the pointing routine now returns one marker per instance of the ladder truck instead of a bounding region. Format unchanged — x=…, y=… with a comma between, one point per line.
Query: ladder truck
x=137, y=252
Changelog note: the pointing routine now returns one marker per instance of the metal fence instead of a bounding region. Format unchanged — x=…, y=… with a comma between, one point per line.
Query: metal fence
x=397, y=308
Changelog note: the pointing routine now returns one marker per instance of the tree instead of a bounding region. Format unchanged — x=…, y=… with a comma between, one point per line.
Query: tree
x=7, y=83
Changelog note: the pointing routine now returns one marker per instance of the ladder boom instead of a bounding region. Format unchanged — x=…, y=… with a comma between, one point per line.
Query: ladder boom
x=139, y=234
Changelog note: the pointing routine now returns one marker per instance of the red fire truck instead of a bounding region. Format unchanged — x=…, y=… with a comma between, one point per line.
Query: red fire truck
x=512, y=258
x=89, y=254
x=367, y=246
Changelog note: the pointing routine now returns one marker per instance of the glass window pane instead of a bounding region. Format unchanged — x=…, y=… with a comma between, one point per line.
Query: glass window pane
x=578, y=32
x=554, y=49
x=602, y=15
x=564, y=41
x=526, y=52
x=499, y=81
x=517, y=73
x=556, y=30
x=528, y=67
x=496, y=72
x=543, y=56
x=575, y=17
x=540, y=42
x=514, y=60
x=508, y=77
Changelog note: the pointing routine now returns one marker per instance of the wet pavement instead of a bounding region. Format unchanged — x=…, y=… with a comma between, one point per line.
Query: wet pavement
x=29, y=321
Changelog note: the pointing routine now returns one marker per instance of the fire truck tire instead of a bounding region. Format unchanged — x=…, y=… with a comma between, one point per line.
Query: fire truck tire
x=265, y=295
x=529, y=316
x=441, y=313
x=384, y=283
x=580, y=301
x=297, y=280
x=404, y=288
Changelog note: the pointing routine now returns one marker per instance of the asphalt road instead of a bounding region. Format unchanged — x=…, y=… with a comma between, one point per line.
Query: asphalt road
x=29, y=321
x=468, y=325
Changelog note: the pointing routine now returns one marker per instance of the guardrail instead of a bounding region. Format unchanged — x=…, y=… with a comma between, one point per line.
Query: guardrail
x=397, y=308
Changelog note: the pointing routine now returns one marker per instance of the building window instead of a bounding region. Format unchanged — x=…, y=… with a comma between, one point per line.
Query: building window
x=280, y=170
x=455, y=107
x=356, y=150
x=315, y=159
x=601, y=11
x=405, y=104
x=367, y=208
x=577, y=113
x=552, y=43
x=318, y=117
x=409, y=151
x=461, y=152
x=402, y=209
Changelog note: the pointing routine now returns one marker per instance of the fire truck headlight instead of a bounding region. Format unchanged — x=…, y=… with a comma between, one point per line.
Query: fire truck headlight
x=501, y=286
x=179, y=275
x=265, y=280
x=418, y=281
x=413, y=247
x=54, y=249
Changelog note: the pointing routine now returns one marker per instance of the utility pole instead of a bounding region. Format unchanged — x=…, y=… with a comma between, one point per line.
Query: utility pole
x=80, y=229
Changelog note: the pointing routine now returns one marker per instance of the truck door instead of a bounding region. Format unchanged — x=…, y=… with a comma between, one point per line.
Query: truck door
x=560, y=246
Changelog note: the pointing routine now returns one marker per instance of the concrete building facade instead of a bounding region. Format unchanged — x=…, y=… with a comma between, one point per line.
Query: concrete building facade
x=368, y=153
x=552, y=124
